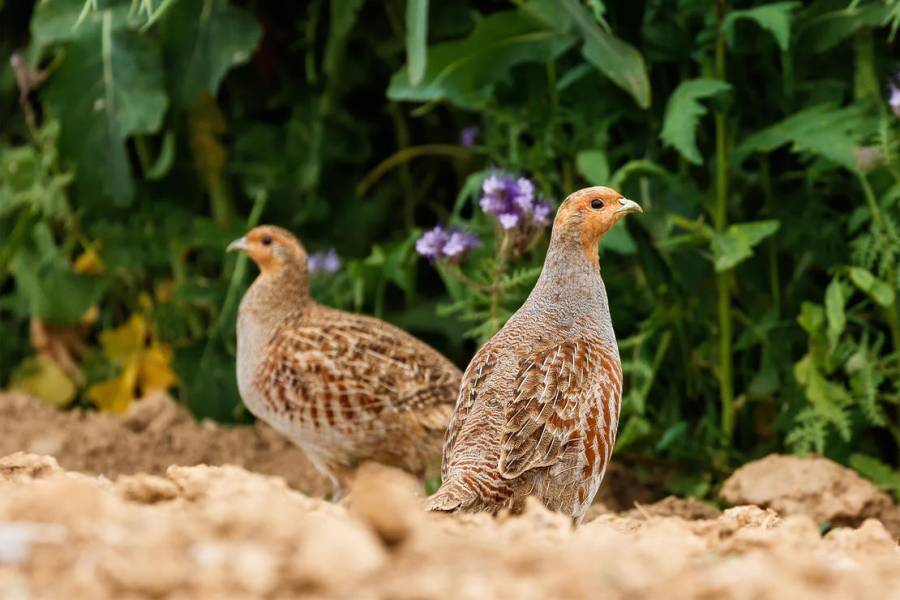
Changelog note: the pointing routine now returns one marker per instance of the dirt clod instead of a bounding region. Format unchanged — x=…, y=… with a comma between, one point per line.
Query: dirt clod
x=817, y=487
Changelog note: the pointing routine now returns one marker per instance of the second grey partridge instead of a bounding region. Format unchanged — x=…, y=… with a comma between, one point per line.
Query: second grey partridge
x=346, y=388
x=539, y=404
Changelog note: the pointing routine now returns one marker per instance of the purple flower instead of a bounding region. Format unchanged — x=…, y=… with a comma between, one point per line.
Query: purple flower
x=431, y=244
x=508, y=220
x=323, y=262
x=541, y=213
x=439, y=243
x=459, y=243
x=512, y=200
x=468, y=136
x=524, y=194
x=894, y=100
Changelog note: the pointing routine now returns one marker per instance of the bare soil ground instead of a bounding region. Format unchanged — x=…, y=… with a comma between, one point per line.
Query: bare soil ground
x=137, y=523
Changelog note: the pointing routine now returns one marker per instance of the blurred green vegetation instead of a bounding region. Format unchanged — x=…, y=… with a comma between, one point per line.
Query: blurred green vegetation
x=755, y=300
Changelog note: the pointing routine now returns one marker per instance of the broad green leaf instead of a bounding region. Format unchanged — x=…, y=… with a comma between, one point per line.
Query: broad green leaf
x=616, y=59
x=52, y=290
x=58, y=21
x=825, y=31
x=834, y=310
x=774, y=18
x=824, y=130
x=108, y=87
x=593, y=166
x=202, y=40
x=735, y=244
x=683, y=112
x=465, y=72
x=416, y=39
x=880, y=291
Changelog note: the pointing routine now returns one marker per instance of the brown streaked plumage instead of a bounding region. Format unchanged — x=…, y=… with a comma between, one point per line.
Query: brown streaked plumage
x=539, y=403
x=344, y=387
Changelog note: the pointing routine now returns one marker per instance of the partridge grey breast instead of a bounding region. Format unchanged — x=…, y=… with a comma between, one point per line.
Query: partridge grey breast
x=538, y=407
x=344, y=387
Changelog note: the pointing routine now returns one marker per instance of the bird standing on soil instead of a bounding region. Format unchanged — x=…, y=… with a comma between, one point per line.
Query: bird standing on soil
x=344, y=387
x=539, y=403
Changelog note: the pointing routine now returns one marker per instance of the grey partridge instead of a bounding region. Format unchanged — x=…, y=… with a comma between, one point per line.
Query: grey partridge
x=344, y=387
x=539, y=403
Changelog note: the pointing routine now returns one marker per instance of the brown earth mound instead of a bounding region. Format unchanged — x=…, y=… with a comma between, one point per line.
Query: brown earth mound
x=155, y=433
x=222, y=532
x=815, y=487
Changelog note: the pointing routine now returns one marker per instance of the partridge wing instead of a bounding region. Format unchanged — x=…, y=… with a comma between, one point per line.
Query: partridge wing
x=560, y=392
x=353, y=371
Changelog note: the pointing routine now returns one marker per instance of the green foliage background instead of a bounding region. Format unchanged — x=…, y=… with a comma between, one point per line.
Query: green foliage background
x=755, y=300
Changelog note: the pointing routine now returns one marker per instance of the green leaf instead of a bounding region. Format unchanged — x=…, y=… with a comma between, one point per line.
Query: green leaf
x=108, y=87
x=735, y=244
x=823, y=130
x=683, y=112
x=774, y=18
x=618, y=240
x=616, y=59
x=416, y=39
x=465, y=72
x=825, y=31
x=52, y=291
x=880, y=291
x=834, y=310
x=593, y=166
x=828, y=399
x=202, y=40
x=671, y=434
x=886, y=477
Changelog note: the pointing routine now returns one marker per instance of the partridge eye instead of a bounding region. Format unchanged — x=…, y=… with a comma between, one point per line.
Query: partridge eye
x=266, y=241
x=596, y=203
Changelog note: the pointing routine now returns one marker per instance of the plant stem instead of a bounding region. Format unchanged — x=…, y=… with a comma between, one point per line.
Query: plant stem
x=15, y=240
x=774, y=279
x=405, y=155
x=723, y=279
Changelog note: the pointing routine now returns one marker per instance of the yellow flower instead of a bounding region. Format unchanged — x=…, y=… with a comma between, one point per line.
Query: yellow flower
x=145, y=364
x=40, y=376
x=89, y=262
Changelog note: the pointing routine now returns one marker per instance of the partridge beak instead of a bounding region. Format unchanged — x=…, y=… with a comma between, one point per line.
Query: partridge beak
x=238, y=244
x=628, y=206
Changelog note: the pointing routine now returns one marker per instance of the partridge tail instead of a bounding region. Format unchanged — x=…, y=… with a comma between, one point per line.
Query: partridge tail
x=451, y=496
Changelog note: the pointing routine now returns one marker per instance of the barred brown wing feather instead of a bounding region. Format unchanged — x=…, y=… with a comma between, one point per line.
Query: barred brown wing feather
x=347, y=370
x=479, y=367
x=555, y=390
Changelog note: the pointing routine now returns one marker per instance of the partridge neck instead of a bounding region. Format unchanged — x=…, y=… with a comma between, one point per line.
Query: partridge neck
x=569, y=267
x=275, y=295
x=570, y=292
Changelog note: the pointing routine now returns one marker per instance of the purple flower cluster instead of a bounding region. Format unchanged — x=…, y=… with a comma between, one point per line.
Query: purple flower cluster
x=512, y=201
x=444, y=244
x=894, y=100
x=323, y=262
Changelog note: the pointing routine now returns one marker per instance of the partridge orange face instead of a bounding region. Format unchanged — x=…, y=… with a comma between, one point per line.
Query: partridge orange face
x=270, y=247
x=592, y=212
